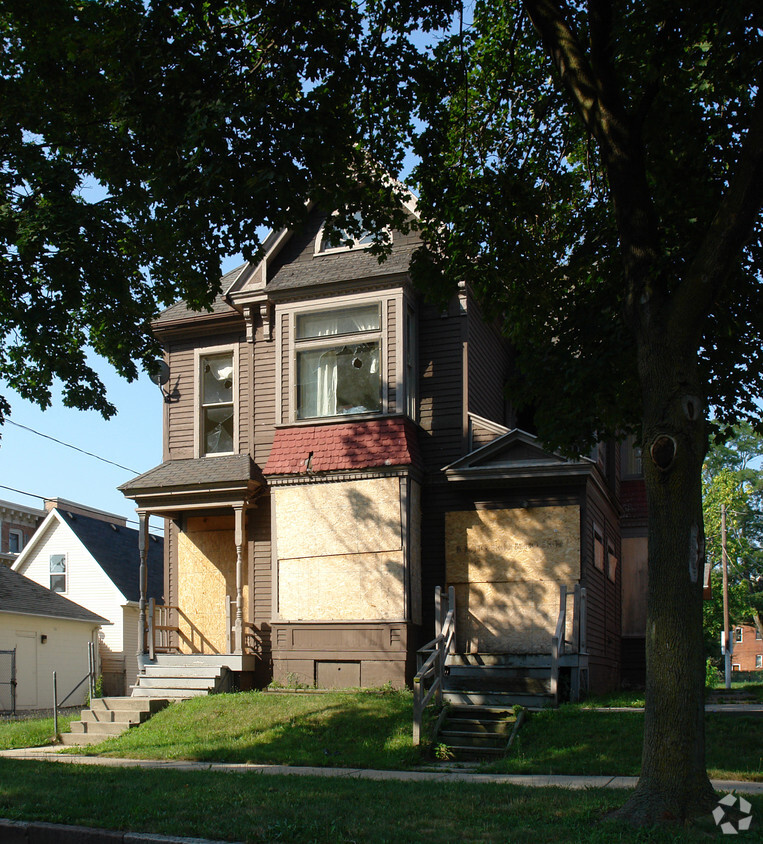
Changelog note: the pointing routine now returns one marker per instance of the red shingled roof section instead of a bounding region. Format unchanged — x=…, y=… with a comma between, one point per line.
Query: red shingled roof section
x=342, y=446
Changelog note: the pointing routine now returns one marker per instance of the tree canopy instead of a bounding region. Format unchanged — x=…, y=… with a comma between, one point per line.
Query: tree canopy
x=142, y=142
x=594, y=170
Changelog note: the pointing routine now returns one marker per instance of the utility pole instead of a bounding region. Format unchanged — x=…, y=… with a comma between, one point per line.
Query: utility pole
x=728, y=644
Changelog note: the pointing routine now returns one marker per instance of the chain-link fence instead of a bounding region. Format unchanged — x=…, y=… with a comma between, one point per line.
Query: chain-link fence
x=8, y=682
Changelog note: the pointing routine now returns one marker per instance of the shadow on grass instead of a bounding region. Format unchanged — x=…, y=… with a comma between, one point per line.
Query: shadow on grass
x=343, y=730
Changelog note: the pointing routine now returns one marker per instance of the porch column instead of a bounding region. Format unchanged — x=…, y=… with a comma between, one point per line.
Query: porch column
x=143, y=577
x=238, y=511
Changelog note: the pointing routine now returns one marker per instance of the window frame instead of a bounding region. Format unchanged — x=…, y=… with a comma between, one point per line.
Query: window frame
x=52, y=574
x=759, y=660
x=19, y=536
x=319, y=251
x=738, y=635
x=376, y=335
x=199, y=356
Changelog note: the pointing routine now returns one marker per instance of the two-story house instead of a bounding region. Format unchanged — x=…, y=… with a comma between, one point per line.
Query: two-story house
x=334, y=449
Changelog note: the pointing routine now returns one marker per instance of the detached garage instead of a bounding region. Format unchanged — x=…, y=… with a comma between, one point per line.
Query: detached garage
x=42, y=632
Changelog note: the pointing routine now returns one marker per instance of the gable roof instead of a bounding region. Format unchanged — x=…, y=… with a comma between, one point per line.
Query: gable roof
x=113, y=547
x=19, y=594
x=515, y=455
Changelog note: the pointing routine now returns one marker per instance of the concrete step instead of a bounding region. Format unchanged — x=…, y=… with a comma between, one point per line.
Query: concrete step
x=123, y=703
x=208, y=660
x=145, y=692
x=115, y=716
x=172, y=681
x=181, y=671
x=81, y=739
x=99, y=728
x=456, y=737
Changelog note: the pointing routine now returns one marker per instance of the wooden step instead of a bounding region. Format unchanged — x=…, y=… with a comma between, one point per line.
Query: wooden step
x=465, y=697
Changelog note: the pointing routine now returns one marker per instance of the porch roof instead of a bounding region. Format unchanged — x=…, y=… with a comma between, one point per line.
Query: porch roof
x=198, y=481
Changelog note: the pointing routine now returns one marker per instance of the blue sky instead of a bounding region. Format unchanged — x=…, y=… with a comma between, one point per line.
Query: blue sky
x=133, y=438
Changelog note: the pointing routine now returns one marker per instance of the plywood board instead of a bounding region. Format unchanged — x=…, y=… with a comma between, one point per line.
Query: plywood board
x=206, y=574
x=506, y=566
x=342, y=587
x=355, y=517
x=491, y=546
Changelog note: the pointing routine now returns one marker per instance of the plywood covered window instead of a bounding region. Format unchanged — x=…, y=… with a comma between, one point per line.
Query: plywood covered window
x=217, y=394
x=58, y=572
x=338, y=362
x=598, y=547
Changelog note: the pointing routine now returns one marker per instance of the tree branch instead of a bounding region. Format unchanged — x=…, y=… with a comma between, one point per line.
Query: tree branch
x=728, y=232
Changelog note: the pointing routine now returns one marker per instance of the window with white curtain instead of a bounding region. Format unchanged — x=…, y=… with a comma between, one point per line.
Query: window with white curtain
x=217, y=403
x=338, y=362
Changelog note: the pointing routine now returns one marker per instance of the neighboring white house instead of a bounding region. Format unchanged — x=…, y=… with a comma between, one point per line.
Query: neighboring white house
x=92, y=558
x=42, y=632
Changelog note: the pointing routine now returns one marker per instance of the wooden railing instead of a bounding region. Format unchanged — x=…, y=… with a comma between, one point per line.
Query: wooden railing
x=430, y=660
x=571, y=652
x=161, y=630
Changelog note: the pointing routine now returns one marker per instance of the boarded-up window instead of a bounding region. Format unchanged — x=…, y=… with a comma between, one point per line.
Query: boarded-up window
x=611, y=563
x=598, y=547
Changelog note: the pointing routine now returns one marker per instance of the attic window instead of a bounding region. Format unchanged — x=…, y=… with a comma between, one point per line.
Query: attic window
x=333, y=239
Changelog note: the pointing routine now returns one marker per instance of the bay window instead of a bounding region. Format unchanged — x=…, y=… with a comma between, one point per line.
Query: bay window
x=338, y=361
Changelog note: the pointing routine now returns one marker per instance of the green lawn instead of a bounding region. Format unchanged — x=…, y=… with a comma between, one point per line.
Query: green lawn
x=30, y=732
x=370, y=730
x=360, y=729
x=255, y=808
x=575, y=740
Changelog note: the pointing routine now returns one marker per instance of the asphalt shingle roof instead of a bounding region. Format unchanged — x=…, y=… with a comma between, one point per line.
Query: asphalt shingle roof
x=235, y=468
x=19, y=594
x=349, y=445
x=115, y=549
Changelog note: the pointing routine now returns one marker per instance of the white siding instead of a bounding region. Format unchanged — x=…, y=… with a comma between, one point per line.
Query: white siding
x=86, y=582
x=64, y=651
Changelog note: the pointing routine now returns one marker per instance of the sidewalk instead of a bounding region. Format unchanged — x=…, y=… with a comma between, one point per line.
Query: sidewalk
x=449, y=774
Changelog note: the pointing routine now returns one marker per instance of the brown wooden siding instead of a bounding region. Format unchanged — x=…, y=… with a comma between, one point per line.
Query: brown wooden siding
x=604, y=609
x=488, y=366
x=260, y=576
x=392, y=353
x=263, y=409
x=440, y=387
x=181, y=411
x=285, y=394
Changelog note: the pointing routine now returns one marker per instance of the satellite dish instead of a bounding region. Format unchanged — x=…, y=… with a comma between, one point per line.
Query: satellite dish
x=162, y=375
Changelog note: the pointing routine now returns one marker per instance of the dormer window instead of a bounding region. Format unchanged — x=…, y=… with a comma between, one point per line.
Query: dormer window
x=338, y=362
x=335, y=239
x=217, y=400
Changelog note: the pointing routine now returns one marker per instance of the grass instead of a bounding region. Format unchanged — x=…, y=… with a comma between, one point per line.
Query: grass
x=345, y=729
x=576, y=740
x=253, y=808
x=30, y=732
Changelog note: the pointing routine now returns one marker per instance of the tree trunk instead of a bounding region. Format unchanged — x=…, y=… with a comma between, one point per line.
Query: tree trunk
x=673, y=783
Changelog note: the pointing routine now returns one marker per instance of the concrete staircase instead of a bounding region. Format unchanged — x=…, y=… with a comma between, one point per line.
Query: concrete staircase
x=110, y=716
x=181, y=676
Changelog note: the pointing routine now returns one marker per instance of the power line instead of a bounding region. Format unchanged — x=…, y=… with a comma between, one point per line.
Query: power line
x=45, y=498
x=76, y=448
